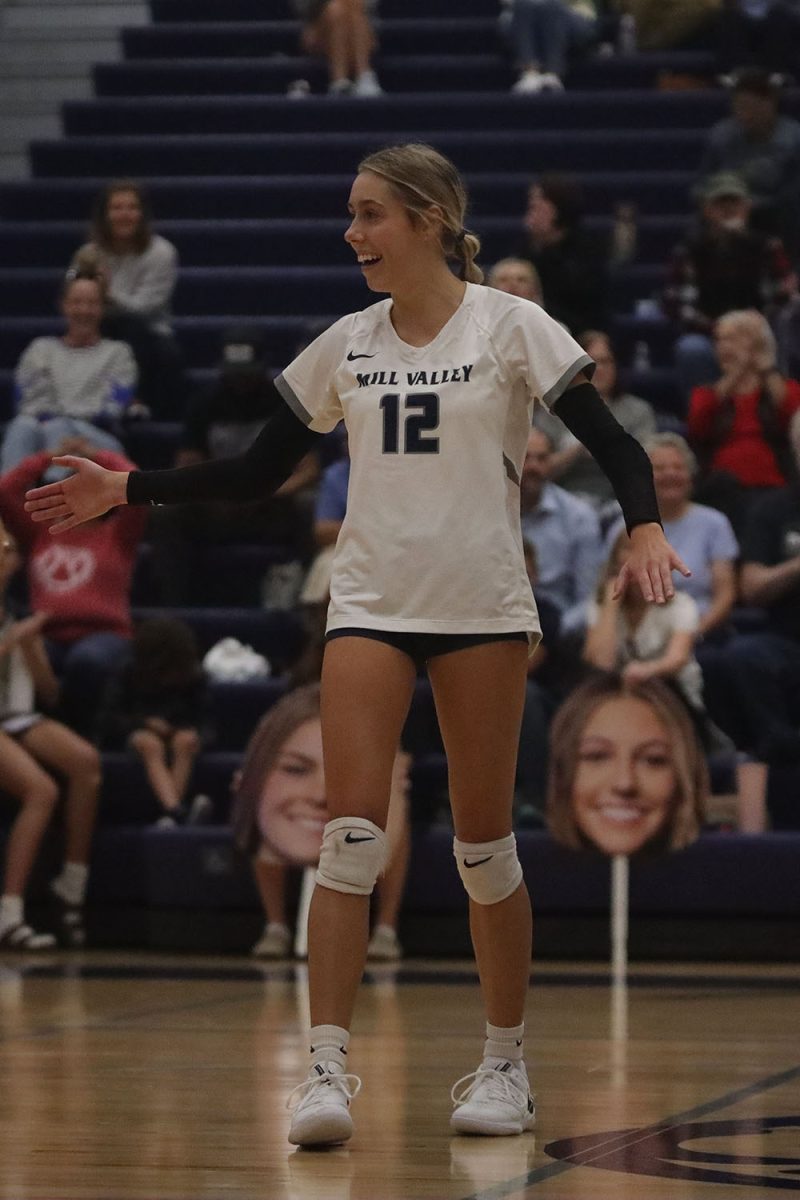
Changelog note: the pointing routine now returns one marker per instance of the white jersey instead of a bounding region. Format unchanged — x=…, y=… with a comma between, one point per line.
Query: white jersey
x=431, y=540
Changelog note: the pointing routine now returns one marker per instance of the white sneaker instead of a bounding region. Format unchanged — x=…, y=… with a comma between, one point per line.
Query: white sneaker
x=528, y=82
x=275, y=942
x=320, y=1106
x=383, y=945
x=367, y=85
x=496, y=1101
x=551, y=83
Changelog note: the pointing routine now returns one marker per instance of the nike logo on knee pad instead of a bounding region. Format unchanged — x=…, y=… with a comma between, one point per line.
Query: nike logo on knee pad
x=477, y=861
x=348, y=837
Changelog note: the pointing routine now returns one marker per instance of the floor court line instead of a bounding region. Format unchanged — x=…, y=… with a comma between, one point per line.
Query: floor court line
x=525, y=1183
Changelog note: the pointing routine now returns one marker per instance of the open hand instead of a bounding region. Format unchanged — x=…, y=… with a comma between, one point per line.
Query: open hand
x=89, y=493
x=650, y=564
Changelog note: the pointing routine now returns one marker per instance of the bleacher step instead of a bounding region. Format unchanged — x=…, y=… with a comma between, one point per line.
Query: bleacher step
x=39, y=20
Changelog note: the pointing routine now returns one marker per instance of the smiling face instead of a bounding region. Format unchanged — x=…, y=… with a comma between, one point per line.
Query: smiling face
x=625, y=784
x=734, y=345
x=82, y=306
x=124, y=215
x=671, y=476
x=391, y=248
x=292, y=810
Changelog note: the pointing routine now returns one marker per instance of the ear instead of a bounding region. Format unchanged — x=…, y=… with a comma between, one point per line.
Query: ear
x=432, y=221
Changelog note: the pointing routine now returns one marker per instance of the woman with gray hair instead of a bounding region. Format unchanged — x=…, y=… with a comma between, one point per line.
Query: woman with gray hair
x=704, y=536
x=738, y=425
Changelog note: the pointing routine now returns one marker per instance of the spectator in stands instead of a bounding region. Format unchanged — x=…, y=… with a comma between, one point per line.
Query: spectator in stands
x=219, y=424
x=280, y=813
x=156, y=706
x=34, y=748
x=627, y=775
x=140, y=268
x=76, y=385
x=762, y=147
x=565, y=532
x=759, y=33
x=722, y=265
x=765, y=665
x=738, y=425
x=625, y=634
x=81, y=581
x=703, y=536
x=517, y=277
x=707, y=544
x=572, y=266
x=571, y=465
x=341, y=31
x=542, y=35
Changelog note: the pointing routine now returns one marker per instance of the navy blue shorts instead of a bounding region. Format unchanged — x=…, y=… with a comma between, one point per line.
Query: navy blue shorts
x=422, y=646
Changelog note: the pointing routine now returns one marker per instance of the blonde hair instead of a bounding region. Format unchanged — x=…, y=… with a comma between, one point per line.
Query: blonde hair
x=748, y=322
x=691, y=770
x=423, y=179
x=673, y=441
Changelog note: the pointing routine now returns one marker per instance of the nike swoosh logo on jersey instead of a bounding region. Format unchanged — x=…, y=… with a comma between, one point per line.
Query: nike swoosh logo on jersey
x=348, y=837
x=352, y=357
x=478, y=861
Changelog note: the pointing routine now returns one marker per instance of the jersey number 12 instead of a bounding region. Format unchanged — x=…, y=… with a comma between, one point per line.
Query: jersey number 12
x=420, y=416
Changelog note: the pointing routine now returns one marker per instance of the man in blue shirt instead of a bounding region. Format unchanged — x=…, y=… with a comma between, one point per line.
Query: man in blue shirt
x=565, y=532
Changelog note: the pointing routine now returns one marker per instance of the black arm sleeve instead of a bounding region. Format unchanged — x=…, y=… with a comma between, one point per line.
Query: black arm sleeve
x=257, y=473
x=616, y=453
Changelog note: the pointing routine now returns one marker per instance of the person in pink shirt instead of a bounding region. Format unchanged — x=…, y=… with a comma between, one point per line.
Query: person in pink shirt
x=82, y=581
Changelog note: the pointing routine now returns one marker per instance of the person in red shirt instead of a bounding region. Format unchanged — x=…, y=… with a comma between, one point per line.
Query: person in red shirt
x=82, y=581
x=738, y=425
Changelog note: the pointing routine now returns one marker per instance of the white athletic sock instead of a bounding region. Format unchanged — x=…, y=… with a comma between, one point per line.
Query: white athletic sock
x=12, y=912
x=329, y=1044
x=503, y=1045
x=70, y=885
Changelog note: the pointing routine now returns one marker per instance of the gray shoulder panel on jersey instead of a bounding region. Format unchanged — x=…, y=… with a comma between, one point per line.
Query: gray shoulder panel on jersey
x=297, y=408
x=584, y=363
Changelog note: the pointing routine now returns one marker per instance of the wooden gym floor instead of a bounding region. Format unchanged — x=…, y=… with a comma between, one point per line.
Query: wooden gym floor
x=143, y=1077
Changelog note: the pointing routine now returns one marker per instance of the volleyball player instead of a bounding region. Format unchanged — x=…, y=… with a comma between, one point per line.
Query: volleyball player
x=436, y=385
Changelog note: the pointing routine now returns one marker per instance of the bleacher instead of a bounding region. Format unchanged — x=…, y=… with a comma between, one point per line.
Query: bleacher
x=251, y=186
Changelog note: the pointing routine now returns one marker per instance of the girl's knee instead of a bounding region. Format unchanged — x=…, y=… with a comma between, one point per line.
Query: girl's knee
x=87, y=764
x=146, y=743
x=187, y=741
x=42, y=796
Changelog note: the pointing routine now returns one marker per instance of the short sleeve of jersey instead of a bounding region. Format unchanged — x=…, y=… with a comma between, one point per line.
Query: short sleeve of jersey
x=540, y=351
x=308, y=384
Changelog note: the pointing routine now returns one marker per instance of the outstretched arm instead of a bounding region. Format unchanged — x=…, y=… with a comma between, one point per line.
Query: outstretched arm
x=258, y=472
x=628, y=468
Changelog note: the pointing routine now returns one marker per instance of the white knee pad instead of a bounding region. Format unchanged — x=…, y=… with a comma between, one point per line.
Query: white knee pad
x=490, y=871
x=352, y=855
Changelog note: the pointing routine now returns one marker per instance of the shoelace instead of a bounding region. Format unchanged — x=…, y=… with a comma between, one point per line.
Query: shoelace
x=498, y=1086
x=349, y=1084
